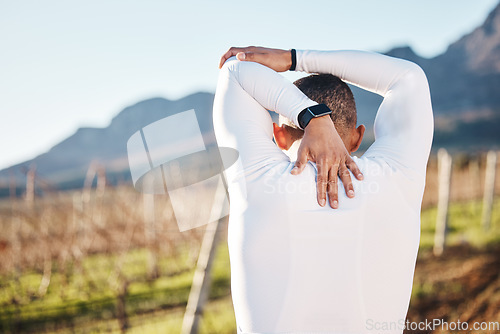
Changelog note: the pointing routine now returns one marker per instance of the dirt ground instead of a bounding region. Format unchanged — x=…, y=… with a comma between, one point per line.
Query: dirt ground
x=463, y=284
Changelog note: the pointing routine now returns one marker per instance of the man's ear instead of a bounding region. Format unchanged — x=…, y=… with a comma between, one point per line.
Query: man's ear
x=282, y=137
x=357, y=137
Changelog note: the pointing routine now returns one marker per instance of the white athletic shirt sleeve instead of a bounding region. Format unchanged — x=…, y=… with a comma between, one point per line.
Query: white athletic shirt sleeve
x=404, y=122
x=271, y=90
x=245, y=91
x=403, y=125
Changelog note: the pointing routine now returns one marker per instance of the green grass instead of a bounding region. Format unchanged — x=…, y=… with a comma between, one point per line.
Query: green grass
x=218, y=318
x=464, y=225
x=84, y=300
x=95, y=297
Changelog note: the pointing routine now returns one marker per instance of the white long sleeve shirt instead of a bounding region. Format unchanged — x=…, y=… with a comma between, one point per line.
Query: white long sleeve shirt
x=297, y=267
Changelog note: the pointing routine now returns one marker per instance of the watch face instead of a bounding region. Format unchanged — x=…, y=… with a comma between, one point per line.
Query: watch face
x=319, y=110
x=320, y=114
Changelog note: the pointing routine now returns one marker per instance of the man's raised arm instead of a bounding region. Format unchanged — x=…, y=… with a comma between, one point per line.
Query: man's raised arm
x=321, y=144
x=404, y=123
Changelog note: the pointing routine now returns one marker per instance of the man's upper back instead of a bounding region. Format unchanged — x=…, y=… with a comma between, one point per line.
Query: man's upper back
x=352, y=266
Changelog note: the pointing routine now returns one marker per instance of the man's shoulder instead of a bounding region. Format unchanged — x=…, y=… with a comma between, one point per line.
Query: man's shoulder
x=394, y=180
x=383, y=165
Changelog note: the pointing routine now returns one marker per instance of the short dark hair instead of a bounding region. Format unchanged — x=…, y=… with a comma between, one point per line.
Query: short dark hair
x=335, y=93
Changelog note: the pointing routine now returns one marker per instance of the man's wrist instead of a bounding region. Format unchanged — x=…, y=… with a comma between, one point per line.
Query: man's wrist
x=319, y=121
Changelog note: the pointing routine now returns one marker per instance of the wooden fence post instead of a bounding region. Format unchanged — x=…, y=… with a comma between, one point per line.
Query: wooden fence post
x=87, y=184
x=30, y=186
x=44, y=223
x=97, y=211
x=150, y=234
x=444, y=179
x=201, y=281
x=489, y=189
x=79, y=238
x=474, y=178
x=12, y=186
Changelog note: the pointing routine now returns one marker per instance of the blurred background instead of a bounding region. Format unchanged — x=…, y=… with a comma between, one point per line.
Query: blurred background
x=81, y=251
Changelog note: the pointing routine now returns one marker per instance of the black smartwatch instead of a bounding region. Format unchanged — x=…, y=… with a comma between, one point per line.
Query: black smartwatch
x=306, y=115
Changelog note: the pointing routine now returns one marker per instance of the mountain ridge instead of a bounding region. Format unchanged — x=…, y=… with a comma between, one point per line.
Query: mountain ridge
x=464, y=82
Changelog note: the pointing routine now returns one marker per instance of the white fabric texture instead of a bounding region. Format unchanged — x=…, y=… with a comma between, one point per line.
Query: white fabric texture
x=297, y=267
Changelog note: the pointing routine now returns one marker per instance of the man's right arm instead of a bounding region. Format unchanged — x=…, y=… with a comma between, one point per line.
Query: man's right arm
x=404, y=123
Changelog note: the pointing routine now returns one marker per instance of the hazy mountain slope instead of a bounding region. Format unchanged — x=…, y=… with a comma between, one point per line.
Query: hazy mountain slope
x=70, y=158
x=465, y=88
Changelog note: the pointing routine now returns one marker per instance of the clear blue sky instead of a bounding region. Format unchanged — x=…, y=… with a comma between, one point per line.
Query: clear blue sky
x=66, y=64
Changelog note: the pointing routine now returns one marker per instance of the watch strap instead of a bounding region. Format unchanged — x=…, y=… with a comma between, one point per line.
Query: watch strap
x=294, y=60
x=306, y=115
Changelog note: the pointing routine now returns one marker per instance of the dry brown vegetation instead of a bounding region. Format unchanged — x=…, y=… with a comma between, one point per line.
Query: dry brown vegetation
x=56, y=233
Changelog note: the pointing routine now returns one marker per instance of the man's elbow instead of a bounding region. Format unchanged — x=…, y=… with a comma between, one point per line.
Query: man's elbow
x=417, y=92
x=415, y=77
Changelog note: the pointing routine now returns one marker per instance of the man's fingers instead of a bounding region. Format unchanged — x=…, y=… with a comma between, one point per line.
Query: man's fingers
x=332, y=189
x=233, y=51
x=252, y=56
x=322, y=182
x=345, y=176
x=225, y=57
x=243, y=56
x=354, y=169
x=300, y=164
